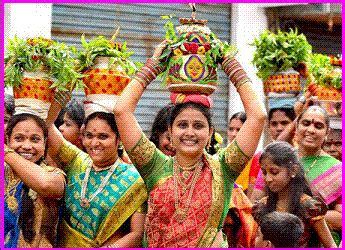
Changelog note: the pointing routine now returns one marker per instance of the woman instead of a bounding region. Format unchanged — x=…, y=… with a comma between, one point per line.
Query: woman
x=234, y=125
x=104, y=195
x=73, y=119
x=189, y=194
x=288, y=191
x=32, y=188
x=159, y=131
x=323, y=171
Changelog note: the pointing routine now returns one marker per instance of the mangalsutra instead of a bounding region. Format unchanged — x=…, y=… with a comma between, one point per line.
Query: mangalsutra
x=84, y=202
x=312, y=165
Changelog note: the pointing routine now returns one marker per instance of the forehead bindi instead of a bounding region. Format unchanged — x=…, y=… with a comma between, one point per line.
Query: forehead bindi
x=27, y=127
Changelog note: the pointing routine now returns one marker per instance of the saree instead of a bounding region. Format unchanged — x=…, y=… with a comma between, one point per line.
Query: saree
x=208, y=205
x=104, y=218
x=45, y=212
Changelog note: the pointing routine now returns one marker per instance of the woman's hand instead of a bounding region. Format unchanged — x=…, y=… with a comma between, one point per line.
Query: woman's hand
x=159, y=49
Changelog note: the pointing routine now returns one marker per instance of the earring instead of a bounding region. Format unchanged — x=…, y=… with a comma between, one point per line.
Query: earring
x=293, y=176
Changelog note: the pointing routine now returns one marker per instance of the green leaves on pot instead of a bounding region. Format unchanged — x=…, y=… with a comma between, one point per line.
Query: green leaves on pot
x=279, y=52
x=41, y=54
x=322, y=72
x=100, y=46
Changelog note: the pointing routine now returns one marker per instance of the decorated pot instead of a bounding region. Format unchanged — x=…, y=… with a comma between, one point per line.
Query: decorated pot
x=188, y=68
x=283, y=82
x=104, y=83
x=325, y=93
x=103, y=78
x=35, y=94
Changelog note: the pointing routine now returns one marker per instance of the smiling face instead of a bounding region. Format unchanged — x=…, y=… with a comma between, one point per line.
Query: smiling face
x=100, y=142
x=190, y=132
x=27, y=139
x=70, y=130
x=276, y=178
x=311, y=130
x=233, y=128
x=277, y=123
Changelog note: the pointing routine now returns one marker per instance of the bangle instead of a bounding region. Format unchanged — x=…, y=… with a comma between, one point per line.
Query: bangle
x=302, y=99
x=8, y=150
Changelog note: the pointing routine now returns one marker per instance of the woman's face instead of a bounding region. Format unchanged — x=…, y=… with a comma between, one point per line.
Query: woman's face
x=164, y=144
x=233, y=128
x=27, y=139
x=100, y=142
x=311, y=130
x=276, y=178
x=70, y=130
x=190, y=132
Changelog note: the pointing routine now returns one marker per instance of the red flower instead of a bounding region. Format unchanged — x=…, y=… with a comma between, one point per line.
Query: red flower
x=207, y=46
x=193, y=48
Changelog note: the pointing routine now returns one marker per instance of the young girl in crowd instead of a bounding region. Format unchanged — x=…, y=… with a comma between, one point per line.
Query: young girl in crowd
x=288, y=191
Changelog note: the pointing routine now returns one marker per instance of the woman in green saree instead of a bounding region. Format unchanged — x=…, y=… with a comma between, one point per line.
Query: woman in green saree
x=189, y=194
x=104, y=195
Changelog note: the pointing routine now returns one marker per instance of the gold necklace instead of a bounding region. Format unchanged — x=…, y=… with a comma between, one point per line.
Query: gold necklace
x=11, y=188
x=312, y=165
x=181, y=213
x=182, y=177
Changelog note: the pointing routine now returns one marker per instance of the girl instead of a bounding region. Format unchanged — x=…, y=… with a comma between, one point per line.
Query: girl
x=288, y=191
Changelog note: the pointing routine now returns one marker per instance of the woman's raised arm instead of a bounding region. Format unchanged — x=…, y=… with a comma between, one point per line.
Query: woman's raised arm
x=249, y=134
x=130, y=131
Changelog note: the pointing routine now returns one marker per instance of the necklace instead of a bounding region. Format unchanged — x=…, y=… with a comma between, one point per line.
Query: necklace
x=181, y=213
x=11, y=187
x=84, y=202
x=183, y=174
x=312, y=165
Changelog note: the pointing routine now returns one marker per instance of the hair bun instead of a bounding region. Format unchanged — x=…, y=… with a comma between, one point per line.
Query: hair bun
x=178, y=98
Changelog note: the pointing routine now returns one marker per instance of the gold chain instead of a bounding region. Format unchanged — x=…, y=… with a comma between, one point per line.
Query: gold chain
x=312, y=165
x=11, y=188
x=181, y=213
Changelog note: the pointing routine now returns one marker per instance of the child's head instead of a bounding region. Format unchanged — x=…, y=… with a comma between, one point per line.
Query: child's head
x=280, y=165
x=279, y=229
x=283, y=172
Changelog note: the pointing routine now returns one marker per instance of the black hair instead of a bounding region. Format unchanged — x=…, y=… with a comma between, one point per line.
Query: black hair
x=177, y=109
x=284, y=155
x=289, y=112
x=75, y=111
x=160, y=123
x=239, y=115
x=281, y=229
x=27, y=214
x=317, y=108
x=9, y=104
x=110, y=119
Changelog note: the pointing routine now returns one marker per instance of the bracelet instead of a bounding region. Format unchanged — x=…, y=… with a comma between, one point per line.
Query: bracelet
x=8, y=150
x=235, y=72
x=302, y=99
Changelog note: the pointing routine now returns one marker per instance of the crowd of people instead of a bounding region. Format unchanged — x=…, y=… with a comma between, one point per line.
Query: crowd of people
x=99, y=181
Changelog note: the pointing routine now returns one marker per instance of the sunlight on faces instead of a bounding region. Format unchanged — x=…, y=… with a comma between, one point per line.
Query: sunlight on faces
x=276, y=178
x=278, y=123
x=100, y=142
x=190, y=132
x=233, y=128
x=70, y=130
x=27, y=139
x=311, y=130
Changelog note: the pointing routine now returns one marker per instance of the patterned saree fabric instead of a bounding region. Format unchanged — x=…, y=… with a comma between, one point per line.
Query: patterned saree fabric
x=91, y=226
x=45, y=215
x=209, y=203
